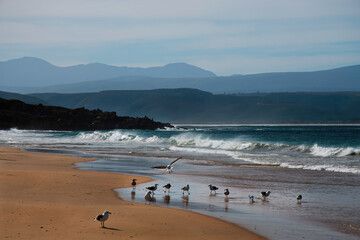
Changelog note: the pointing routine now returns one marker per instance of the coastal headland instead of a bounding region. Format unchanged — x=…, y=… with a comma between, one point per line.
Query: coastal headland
x=44, y=197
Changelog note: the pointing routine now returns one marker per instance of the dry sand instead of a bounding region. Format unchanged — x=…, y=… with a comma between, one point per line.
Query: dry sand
x=42, y=196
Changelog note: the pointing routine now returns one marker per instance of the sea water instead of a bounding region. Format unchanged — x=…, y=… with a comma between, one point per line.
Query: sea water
x=320, y=162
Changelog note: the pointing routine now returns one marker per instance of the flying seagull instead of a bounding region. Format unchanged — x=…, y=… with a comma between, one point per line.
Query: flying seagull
x=186, y=189
x=251, y=198
x=213, y=188
x=167, y=186
x=152, y=188
x=299, y=198
x=168, y=167
x=133, y=183
x=102, y=218
x=265, y=194
x=226, y=192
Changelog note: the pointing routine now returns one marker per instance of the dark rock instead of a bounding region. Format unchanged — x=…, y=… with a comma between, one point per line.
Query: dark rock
x=16, y=114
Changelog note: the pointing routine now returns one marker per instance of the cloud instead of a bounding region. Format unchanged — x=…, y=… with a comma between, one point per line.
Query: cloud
x=171, y=9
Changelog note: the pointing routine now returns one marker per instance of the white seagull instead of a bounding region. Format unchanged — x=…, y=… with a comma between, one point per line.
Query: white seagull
x=299, y=198
x=265, y=194
x=251, y=198
x=213, y=188
x=102, y=218
x=133, y=183
x=169, y=167
x=152, y=188
x=167, y=186
x=186, y=189
x=149, y=196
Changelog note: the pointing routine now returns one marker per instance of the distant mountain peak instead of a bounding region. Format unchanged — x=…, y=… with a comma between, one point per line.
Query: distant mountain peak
x=27, y=59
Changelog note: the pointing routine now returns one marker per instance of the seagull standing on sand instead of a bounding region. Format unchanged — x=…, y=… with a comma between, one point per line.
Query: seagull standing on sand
x=167, y=187
x=133, y=183
x=226, y=192
x=251, y=198
x=170, y=166
x=186, y=188
x=152, y=188
x=299, y=198
x=213, y=188
x=102, y=218
x=265, y=194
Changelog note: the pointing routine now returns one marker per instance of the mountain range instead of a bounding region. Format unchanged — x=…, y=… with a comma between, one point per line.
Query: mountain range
x=30, y=75
x=30, y=72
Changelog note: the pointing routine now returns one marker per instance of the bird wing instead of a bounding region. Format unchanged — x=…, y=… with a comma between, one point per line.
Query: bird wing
x=99, y=217
x=160, y=167
x=175, y=161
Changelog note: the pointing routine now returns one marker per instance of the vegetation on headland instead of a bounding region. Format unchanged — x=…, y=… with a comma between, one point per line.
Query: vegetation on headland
x=17, y=114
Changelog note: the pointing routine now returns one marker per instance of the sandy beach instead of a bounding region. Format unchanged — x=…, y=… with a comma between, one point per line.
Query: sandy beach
x=44, y=197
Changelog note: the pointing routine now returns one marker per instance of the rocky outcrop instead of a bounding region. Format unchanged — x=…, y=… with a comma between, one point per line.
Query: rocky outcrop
x=16, y=114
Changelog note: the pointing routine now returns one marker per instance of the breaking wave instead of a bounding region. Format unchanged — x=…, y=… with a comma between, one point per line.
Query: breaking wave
x=116, y=136
x=319, y=151
x=201, y=141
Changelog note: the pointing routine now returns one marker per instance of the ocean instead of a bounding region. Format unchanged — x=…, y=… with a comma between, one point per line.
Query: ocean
x=320, y=162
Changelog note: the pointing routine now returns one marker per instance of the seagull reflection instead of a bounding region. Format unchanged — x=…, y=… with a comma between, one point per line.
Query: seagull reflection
x=185, y=200
x=167, y=199
x=226, y=207
x=212, y=194
x=133, y=194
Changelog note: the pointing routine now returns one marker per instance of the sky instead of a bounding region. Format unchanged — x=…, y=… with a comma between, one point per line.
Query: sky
x=224, y=36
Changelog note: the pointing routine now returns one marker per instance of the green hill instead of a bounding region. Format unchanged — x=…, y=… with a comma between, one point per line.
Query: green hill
x=195, y=106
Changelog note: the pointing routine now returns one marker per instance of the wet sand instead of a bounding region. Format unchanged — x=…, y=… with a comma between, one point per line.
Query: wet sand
x=329, y=209
x=42, y=196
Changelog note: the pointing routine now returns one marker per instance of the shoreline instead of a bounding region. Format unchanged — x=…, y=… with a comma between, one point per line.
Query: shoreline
x=261, y=124
x=44, y=196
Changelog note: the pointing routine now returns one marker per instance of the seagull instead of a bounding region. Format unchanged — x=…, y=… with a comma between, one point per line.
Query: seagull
x=170, y=166
x=226, y=192
x=133, y=182
x=251, y=198
x=213, y=188
x=186, y=188
x=150, y=197
x=299, y=198
x=152, y=188
x=102, y=217
x=167, y=186
x=265, y=194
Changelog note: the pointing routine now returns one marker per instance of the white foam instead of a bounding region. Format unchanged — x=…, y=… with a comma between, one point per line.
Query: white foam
x=333, y=152
x=324, y=167
x=116, y=136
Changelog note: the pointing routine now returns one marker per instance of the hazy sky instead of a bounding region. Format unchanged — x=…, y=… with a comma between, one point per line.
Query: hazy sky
x=224, y=36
